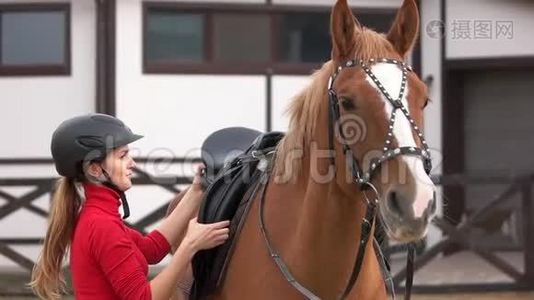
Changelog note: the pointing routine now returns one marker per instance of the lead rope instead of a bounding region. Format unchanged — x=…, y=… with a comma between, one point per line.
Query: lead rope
x=409, y=272
x=366, y=228
x=386, y=269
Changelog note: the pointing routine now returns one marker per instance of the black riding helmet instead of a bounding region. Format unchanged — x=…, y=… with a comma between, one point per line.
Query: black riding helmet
x=89, y=138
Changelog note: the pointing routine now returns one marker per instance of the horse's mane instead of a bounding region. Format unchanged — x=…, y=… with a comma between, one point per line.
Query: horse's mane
x=303, y=110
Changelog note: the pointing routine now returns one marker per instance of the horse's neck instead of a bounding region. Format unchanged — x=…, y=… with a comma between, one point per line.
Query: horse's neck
x=320, y=225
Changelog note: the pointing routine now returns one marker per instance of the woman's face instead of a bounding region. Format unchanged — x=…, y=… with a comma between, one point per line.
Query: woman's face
x=119, y=166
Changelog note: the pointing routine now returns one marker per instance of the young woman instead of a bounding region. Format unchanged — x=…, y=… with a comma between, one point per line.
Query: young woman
x=109, y=260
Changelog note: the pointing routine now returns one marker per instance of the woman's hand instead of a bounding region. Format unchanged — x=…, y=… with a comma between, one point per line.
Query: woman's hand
x=198, y=174
x=194, y=192
x=206, y=236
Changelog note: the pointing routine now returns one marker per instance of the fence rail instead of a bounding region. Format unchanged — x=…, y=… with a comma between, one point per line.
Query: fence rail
x=459, y=235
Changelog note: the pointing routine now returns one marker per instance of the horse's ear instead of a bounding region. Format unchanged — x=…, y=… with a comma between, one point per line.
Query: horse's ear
x=405, y=28
x=343, y=28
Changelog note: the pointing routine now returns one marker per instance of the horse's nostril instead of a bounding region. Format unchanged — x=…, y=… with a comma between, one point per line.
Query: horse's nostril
x=394, y=204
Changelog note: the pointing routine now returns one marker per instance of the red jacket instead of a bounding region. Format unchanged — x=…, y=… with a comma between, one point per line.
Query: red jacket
x=108, y=260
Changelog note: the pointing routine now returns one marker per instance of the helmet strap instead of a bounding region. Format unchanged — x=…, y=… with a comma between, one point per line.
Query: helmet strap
x=109, y=183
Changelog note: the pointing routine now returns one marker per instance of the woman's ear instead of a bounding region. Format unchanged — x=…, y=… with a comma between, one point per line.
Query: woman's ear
x=93, y=169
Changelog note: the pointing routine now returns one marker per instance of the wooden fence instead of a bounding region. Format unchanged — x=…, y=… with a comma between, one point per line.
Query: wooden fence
x=457, y=234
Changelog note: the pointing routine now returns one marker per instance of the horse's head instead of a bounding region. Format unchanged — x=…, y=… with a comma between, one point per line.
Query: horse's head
x=387, y=99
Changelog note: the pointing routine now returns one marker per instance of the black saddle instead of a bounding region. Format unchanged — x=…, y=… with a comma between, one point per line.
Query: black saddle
x=233, y=159
x=223, y=146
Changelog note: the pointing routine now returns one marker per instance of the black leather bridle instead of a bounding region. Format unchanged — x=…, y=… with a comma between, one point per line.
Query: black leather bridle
x=361, y=178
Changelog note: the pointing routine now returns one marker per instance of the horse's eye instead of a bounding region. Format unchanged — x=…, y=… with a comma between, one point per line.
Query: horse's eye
x=347, y=103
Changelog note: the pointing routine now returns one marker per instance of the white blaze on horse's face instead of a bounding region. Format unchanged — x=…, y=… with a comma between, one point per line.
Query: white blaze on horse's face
x=390, y=76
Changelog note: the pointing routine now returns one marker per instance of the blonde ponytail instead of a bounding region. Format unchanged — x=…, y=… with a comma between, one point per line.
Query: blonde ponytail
x=48, y=281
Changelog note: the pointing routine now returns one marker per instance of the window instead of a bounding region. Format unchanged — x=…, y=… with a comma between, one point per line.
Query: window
x=240, y=39
x=194, y=40
x=34, y=39
x=303, y=37
x=175, y=37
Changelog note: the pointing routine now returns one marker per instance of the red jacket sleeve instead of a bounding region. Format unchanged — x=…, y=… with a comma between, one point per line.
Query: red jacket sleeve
x=113, y=250
x=154, y=245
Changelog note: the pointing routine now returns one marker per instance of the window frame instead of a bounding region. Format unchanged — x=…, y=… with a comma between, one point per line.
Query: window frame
x=40, y=69
x=272, y=66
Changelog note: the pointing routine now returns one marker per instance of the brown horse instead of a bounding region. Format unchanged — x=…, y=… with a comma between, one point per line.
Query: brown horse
x=312, y=205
